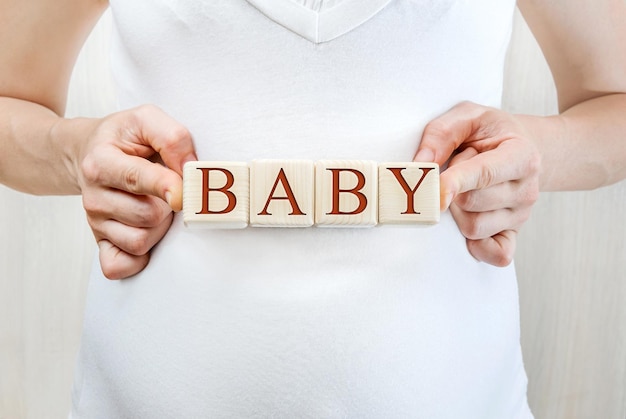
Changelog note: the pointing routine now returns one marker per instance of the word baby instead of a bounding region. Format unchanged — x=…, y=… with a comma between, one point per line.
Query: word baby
x=301, y=193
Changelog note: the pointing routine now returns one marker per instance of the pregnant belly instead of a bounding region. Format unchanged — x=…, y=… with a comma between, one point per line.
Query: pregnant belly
x=302, y=323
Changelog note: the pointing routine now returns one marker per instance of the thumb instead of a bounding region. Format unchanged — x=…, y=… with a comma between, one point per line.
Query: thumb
x=136, y=175
x=447, y=132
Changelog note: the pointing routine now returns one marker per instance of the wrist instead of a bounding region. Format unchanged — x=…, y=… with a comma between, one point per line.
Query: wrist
x=545, y=132
x=69, y=137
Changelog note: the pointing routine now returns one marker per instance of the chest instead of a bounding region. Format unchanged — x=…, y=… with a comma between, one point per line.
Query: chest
x=261, y=78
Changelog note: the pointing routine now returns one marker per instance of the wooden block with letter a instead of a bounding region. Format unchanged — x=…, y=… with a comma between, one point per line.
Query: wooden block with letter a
x=346, y=193
x=282, y=193
x=216, y=194
x=408, y=193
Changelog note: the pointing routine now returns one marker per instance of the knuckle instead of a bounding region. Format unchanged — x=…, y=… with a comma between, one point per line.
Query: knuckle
x=146, y=109
x=91, y=204
x=116, y=263
x=96, y=227
x=131, y=179
x=110, y=263
x=178, y=132
x=528, y=194
x=109, y=269
x=494, y=114
x=506, y=250
x=152, y=215
x=486, y=176
x=90, y=169
x=532, y=195
x=471, y=227
x=132, y=118
x=174, y=136
x=149, y=219
x=503, y=257
x=473, y=109
x=534, y=164
x=437, y=128
x=139, y=243
x=494, y=124
x=116, y=126
x=467, y=201
x=466, y=104
x=521, y=215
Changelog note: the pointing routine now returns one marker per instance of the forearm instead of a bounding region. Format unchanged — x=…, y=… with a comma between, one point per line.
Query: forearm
x=584, y=147
x=39, y=148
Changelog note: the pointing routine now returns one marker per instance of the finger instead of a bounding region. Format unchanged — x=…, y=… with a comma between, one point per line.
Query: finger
x=117, y=264
x=165, y=135
x=504, y=163
x=513, y=194
x=481, y=225
x=497, y=250
x=468, y=153
x=135, y=175
x=132, y=240
x=447, y=132
x=133, y=210
x=462, y=156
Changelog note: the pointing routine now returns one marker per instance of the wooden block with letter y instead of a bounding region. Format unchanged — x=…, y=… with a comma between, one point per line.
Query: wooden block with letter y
x=346, y=193
x=408, y=193
x=282, y=193
x=216, y=194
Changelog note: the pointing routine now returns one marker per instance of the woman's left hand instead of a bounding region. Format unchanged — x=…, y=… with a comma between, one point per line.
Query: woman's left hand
x=492, y=179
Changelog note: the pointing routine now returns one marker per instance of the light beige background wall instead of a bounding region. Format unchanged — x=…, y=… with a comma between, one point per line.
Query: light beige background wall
x=571, y=265
x=571, y=261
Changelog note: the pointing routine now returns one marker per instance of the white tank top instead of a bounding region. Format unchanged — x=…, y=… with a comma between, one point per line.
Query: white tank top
x=293, y=323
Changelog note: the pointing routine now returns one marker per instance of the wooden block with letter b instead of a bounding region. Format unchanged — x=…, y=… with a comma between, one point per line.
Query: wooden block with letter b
x=408, y=193
x=282, y=193
x=346, y=193
x=216, y=194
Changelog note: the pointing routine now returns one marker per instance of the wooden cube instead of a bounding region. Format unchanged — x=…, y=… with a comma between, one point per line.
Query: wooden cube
x=346, y=193
x=216, y=194
x=408, y=193
x=282, y=193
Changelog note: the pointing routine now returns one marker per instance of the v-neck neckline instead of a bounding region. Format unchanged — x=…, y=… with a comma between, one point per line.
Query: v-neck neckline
x=320, y=26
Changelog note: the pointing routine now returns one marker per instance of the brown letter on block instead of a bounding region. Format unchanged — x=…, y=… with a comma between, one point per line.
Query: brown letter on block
x=408, y=193
x=215, y=194
x=282, y=178
x=356, y=190
x=206, y=190
x=281, y=193
x=346, y=193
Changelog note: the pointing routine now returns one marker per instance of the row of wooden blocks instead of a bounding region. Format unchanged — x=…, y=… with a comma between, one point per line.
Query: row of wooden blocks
x=303, y=193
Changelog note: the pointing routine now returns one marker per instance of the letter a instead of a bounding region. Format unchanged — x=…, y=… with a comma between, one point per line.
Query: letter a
x=282, y=178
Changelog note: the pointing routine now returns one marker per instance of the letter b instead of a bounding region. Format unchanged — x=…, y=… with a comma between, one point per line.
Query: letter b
x=346, y=193
x=216, y=194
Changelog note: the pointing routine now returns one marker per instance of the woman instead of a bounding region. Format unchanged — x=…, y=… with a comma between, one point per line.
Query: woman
x=386, y=322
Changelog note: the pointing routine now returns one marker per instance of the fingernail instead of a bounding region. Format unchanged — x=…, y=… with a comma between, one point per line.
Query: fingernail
x=168, y=198
x=424, y=155
x=446, y=201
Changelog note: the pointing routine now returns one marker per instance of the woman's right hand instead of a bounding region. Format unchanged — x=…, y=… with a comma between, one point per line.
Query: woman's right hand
x=130, y=174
